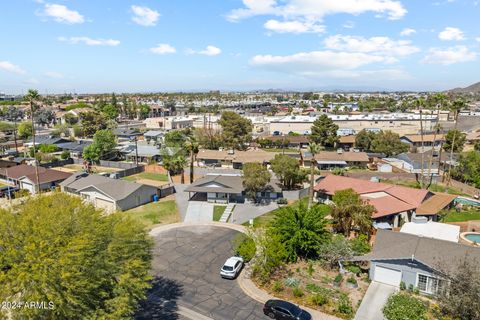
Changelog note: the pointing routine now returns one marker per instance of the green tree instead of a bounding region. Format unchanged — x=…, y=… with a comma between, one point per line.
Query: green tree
x=460, y=297
x=324, y=132
x=44, y=116
x=454, y=141
x=363, y=140
x=175, y=138
x=255, y=178
x=388, y=143
x=90, y=266
x=144, y=110
x=335, y=250
x=301, y=230
x=271, y=254
x=104, y=143
x=110, y=111
x=288, y=171
x=236, y=130
x=350, y=212
x=468, y=169
x=476, y=147
x=25, y=130
x=92, y=122
x=403, y=306
x=71, y=119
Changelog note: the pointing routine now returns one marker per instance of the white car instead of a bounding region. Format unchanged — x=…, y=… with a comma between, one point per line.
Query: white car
x=231, y=267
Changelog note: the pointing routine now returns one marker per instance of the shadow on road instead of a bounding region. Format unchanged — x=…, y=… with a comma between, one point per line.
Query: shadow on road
x=161, y=302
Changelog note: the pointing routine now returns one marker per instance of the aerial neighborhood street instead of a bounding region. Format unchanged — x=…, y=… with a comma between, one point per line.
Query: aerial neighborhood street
x=240, y=160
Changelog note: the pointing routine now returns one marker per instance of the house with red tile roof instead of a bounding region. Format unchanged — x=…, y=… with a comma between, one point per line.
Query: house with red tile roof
x=394, y=204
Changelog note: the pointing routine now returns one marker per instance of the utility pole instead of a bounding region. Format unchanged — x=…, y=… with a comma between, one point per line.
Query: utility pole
x=136, y=151
x=37, y=184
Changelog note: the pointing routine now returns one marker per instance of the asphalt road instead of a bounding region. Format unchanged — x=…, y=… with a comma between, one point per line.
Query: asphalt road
x=186, y=265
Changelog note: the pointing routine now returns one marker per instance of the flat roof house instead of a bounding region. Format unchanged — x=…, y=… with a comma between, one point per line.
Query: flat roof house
x=107, y=193
x=417, y=261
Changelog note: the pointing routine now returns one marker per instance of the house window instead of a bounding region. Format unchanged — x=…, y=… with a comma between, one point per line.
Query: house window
x=428, y=284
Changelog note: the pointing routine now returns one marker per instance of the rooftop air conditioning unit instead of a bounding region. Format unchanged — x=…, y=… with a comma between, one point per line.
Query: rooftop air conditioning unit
x=231, y=151
x=339, y=151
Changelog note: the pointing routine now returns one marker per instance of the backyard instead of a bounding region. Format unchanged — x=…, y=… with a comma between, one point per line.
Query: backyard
x=155, y=213
x=463, y=215
x=155, y=179
x=79, y=167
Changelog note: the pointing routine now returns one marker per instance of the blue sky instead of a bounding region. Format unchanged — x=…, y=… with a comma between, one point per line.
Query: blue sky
x=173, y=45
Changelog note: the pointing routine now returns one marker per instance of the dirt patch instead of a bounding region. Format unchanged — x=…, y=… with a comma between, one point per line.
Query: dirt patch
x=153, y=183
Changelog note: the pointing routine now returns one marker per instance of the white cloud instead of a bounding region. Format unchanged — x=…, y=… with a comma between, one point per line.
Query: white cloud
x=89, y=41
x=449, y=55
x=163, y=48
x=62, y=14
x=53, y=75
x=10, y=67
x=144, y=16
x=407, y=32
x=315, y=62
x=208, y=51
x=293, y=26
x=316, y=9
x=477, y=39
x=450, y=33
x=375, y=45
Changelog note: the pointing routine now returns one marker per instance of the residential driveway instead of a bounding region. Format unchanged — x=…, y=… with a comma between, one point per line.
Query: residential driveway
x=375, y=298
x=199, y=211
x=243, y=212
x=186, y=264
x=181, y=198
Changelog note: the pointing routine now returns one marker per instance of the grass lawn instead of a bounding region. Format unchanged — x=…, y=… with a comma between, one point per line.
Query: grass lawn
x=148, y=176
x=453, y=216
x=434, y=187
x=154, y=213
x=217, y=212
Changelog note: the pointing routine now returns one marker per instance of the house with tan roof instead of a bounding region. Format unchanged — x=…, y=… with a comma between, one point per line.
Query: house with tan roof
x=328, y=160
x=233, y=158
x=429, y=140
x=394, y=204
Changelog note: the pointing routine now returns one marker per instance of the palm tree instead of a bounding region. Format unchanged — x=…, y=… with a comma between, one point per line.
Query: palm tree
x=457, y=106
x=441, y=101
x=192, y=146
x=32, y=96
x=180, y=164
x=313, y=148
x=420, y=103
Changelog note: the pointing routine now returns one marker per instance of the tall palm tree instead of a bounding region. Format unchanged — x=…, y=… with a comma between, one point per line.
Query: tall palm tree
x=313, y=149
x=441, y=102
x=420, y=103
x=457, y=106
x=192, y=146
x=32, y=96
x=180, y=164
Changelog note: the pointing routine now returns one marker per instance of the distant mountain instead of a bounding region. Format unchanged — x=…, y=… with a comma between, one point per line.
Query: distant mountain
x=473, y=88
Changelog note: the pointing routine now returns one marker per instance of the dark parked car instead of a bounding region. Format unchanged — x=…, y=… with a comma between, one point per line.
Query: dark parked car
x=8, y=191
x=284, y=310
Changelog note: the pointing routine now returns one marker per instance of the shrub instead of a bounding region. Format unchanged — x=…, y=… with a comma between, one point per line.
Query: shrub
x=402, y=306
x=21, y=193
x=344, y=305
x=298, y=292
x=338, y=279
x=403, y=286
x=65, y=155
x=244, y=247
x=360, y=245
x=292, y=282
x=48, y=148
x=354, y=269
x=278, y=286
x=310, y=269
x=319, y=299
x=352, y=280
x=410, y=287
x=282, y=201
